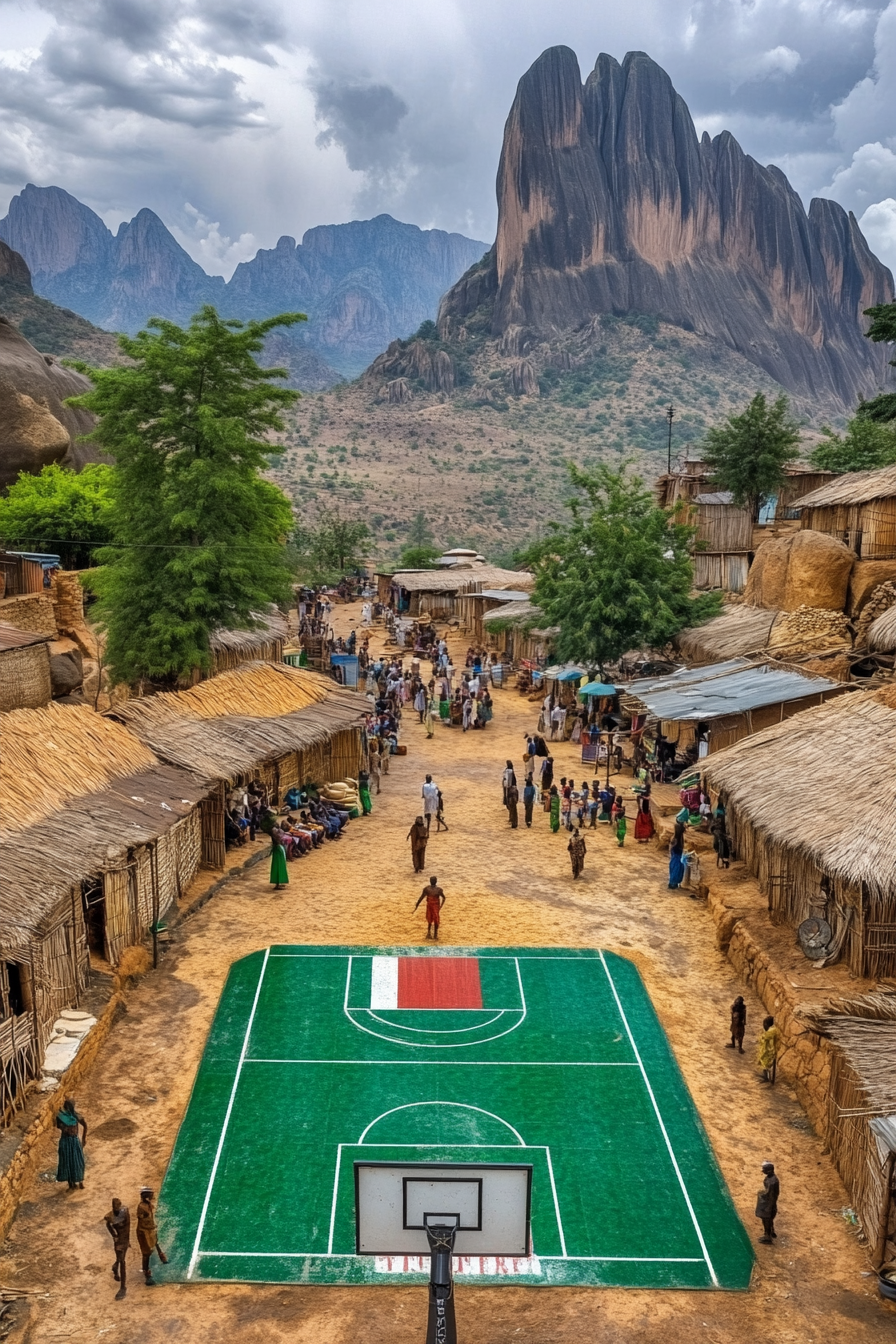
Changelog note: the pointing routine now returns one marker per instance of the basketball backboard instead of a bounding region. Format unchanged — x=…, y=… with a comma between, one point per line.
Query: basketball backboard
x=488, y=1204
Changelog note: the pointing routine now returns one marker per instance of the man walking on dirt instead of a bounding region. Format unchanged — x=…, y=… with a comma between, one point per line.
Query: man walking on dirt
x=430, y=794
x=118, y=1221
x=767, y=1203
x=147, y=1236
x=435, y=899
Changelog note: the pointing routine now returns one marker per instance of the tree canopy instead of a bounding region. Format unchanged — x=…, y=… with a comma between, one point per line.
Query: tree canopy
x=748, y=452
x=64, y=512
x=619, y=575
x=866, y=444
x=198, y=534
x=419, y=557
x=883, y=328
x=333, y=545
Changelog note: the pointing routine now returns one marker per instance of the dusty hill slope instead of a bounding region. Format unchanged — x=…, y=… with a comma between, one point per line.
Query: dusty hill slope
x=52, y=330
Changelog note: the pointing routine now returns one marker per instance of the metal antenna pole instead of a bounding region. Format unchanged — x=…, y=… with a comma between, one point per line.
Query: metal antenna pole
x=670, y=415
x=441, y=1327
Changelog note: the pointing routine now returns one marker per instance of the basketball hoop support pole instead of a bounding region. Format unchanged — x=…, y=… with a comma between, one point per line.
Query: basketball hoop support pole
x=441, y=1326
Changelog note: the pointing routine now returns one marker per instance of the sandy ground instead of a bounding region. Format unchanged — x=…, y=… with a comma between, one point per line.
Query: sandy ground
x=503, y=887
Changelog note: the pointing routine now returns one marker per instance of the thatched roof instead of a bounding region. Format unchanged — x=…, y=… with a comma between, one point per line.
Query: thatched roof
x=781, y=780
x=271, y=626
x=865, y=1030
x=737, y=631
x=47, y=860
x=856, y=487
x=454, y=579
x=882, y=632
x=516, y=614
x=262, y=711
x=55, y=755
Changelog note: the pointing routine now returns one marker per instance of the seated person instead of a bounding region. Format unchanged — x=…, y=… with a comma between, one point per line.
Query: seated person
x=233, y=833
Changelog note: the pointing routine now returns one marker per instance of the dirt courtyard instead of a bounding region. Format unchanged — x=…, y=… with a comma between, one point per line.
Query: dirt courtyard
x=506, y=888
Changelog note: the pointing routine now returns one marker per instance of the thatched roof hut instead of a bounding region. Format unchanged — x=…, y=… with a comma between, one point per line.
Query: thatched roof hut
x=98, y=839
x=739, y=630
x=860, y=1128
x=811, y=855
x=283, y=725
x=24, y=669
x=859, y=508
x=435, y=590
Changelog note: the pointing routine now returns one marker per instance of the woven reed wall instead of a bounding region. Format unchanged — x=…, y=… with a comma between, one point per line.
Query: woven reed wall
x=856, y=1156
x=723, y=528
x=868, y=529
x=792, y=883
x=121, y=926
x=25, y=678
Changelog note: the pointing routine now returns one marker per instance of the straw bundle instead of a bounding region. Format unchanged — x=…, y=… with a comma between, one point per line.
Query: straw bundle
x=882, y=632
x=55, y=755
x=25, y=677
x=809, y=629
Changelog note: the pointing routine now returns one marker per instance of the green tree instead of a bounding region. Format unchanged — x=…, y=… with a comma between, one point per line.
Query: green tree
x=419, y=557
x=883, y=328
x=334, y=545
x=199, y=535
x=420, y=532
x=619, y=575
x=866, y=444
x=65, y=512
x=747, y=454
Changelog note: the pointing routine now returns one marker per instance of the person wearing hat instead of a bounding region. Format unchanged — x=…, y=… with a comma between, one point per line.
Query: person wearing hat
x=767, y=1203
x=147, y=1237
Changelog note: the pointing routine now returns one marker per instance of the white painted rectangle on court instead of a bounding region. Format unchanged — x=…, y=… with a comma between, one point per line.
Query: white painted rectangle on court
x=384, y=982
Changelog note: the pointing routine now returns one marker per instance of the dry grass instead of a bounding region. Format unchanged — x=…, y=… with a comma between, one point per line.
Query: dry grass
x=55, y=755
x=882, y=632
x=738, y=631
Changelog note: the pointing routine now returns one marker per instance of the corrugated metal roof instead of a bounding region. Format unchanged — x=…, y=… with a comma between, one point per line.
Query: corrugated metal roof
x=503, y=594
x=519, y=610
x=11, y=637
x=736, y=692
x=686, y=675
x=714, y=497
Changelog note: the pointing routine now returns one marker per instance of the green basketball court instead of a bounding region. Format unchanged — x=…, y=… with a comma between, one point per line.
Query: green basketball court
x=319, y=1057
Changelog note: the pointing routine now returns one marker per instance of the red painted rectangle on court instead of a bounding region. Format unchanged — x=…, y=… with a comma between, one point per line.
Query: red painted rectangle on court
x=439, y=982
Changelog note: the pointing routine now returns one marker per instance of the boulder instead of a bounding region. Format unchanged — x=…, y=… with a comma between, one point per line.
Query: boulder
x=66, y=667
x=398, y=392
x=36, y=428
x=866, y=576
x=805, y=569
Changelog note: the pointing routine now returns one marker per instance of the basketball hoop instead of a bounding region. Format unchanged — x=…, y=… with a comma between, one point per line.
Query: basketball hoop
x=443, y=1209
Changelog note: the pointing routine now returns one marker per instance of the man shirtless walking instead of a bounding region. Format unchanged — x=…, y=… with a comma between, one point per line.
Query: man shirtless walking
x=435, y=899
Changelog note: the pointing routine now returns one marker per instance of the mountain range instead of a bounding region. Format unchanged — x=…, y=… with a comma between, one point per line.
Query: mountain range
x=362, y=284
x=610, y=204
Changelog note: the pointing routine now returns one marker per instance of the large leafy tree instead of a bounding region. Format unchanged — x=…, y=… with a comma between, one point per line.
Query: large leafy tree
x=866, y=443
x=748, y=452
x=199, y=535
x=65, y=512
x=883, y=328
x=619, y=575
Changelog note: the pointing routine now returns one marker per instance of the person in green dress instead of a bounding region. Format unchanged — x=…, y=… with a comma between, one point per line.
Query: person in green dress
x=364, y=792
x=555, y=809
x=621, y=824
x=279, y=875
x=70, y=1166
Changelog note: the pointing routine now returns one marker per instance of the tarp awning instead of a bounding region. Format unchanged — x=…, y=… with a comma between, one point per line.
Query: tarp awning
x=597, y=688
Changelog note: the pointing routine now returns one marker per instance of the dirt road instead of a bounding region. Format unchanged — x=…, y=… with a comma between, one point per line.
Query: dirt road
x=505, y=887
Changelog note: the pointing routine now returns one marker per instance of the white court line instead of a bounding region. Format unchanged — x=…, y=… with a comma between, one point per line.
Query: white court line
x=239, y=1067
x=563, y=1255
x=437, y=1031
x=333, y=1205
x=465, y=1063
x=420, y=951
x=351, y=1255
x=461, y=1105
x=671, y=1151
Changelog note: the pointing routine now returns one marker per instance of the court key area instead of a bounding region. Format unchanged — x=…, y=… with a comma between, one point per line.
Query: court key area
x=321, y=1057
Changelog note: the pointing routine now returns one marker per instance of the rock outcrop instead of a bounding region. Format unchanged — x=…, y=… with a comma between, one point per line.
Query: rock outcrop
x=608, y=203
x=361, y=284
x=36, y=428
x=415, y=361
x=801, y=569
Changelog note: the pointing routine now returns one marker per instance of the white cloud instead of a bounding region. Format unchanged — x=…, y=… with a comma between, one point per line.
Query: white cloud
x=870, y=175
x=216, y=253
x=778, y=61
x=879, y=226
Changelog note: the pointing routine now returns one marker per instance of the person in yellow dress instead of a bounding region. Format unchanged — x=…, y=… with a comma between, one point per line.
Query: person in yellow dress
x=769, y=1044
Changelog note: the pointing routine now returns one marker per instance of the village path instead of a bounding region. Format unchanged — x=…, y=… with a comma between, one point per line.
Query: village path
x=504, y=887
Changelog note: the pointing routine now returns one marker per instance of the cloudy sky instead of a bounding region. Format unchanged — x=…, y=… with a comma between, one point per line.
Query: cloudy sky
x=238, y=122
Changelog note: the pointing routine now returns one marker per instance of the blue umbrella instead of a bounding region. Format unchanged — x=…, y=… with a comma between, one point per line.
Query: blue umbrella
x=597, y=688
x=574, y=674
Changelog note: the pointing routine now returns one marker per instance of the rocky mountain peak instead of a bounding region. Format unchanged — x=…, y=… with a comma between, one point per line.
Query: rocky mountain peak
x=608, y=203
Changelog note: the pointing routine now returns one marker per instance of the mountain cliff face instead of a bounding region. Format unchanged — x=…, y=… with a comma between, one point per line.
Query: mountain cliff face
x=608, y=203
x=361, y=284
x=52, y=330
